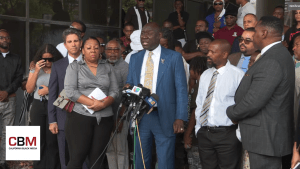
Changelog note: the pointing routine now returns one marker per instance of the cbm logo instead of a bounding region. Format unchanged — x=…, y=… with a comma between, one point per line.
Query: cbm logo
x=22, y=141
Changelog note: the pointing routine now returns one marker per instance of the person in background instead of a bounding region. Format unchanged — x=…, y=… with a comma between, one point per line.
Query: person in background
x=123, y=52
x=293, y=30
x=11, y=70
x=279, y=13
x=79, y=26
x=228, y=6
x=218, y=144
x=168, y=24
x=179, y=19
x=117, y=153
x=191, y=48
x=166, y=120
x=231, y=30
x=204, y=40
x=197, y=66
x=267, y=85
x=135, y=44
x=38, y=81
x=57, y=116
x=296, y=50
x=245, y=8
x=102, y=47
x=250, y=20
x=138, y=15
x=241, y=59
x=217, y=19
x=89, y=141
x=128, y=30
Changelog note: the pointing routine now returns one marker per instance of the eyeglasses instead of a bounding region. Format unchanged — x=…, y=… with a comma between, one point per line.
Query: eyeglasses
x=4, y=37
x=142, y=0
x=246, y=41
x=75, y=28
x=218, y=3
x=109, y=50
x=48, y=59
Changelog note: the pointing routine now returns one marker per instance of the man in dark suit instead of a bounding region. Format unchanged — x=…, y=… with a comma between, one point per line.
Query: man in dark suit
x=264, y=99
x=57, y=116
x=162, y=71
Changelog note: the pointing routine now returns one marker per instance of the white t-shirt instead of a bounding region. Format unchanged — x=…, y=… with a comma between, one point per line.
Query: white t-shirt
x=247, y=8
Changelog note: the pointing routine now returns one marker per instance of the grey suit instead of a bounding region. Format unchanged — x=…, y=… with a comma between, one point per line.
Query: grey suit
x=264, y=105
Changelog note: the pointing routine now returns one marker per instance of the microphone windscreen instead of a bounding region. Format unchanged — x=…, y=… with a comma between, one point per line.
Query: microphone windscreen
x=155, y=96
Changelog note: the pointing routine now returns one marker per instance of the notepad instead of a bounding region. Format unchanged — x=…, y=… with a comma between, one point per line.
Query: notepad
x=98, y=95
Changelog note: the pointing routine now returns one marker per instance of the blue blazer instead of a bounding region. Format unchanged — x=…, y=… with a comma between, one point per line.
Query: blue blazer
x=171, y=86
x=56, y=85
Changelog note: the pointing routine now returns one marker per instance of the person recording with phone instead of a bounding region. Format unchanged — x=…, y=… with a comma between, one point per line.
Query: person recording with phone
x=38, y=82
x=161, y=70
x=87, y=134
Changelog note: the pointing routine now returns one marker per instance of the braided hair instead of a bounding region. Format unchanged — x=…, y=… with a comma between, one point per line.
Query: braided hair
x=198, y=64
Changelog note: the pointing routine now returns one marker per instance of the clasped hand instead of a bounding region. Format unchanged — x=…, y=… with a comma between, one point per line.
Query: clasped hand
x=97, y=105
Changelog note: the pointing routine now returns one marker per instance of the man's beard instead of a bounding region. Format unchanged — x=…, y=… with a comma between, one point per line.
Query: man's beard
x=141, y=5
x=211, y=64
x=4, y=46
x=112, y=61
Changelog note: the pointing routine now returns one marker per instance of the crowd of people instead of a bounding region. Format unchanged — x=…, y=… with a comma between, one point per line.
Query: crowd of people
x=228, y=97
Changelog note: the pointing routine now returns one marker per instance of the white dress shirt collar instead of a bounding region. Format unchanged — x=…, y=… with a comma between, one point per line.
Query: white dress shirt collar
x=268, y=47
x=156, y=52
x=4, y=54
x=222, y=69
x=71, y=59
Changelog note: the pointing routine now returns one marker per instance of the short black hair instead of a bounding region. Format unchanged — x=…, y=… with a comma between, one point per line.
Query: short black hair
x=202, y=35
x=129, y=24
x=272, y=23
x=81, y=23
x=168, y=34
x=206, y=23
x=89, y=38
x=280, y=6
x=251, y=29
x=178, y=44
x=198, y=64
x=47, y=48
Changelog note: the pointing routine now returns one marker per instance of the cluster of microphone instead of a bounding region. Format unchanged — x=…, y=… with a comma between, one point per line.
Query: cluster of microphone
x=138, y=101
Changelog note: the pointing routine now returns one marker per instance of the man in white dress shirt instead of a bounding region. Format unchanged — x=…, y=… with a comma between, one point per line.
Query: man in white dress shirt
x=245, y=8
x=79, y=26
x=218, y=144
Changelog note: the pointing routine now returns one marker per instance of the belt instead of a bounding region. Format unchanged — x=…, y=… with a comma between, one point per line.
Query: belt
x=220, y=127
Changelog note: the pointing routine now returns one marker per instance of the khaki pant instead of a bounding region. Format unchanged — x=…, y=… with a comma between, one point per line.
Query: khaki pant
x=7, y=114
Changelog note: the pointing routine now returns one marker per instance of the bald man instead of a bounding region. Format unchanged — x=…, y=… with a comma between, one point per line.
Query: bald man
x=161, y=70
x=219, y=146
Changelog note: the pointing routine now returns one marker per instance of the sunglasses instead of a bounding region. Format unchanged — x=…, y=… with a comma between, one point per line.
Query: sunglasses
x=142, y=0
x=218, y=3
x=48, y=59
x=246, y=41
x=102, y=44
x=4, y=37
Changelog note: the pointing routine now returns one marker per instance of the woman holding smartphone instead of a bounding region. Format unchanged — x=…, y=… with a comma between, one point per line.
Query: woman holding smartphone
x=38, y=81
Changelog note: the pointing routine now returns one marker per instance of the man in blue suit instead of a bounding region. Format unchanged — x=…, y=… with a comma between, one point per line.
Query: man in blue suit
x=162, y=71
x=57, y=116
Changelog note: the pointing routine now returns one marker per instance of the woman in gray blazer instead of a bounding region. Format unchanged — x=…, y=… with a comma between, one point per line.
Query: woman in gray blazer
x=88, y=133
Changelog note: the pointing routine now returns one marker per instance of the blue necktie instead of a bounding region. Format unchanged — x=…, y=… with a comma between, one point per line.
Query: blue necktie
x=245, y=63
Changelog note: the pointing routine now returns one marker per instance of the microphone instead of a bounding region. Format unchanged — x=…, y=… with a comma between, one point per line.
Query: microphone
x=142, y=93
x=125, y=95
x=152, y=100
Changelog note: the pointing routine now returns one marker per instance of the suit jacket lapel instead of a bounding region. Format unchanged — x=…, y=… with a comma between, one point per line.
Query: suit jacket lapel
x=66, y=62
x=139, y=63
x=163, y=64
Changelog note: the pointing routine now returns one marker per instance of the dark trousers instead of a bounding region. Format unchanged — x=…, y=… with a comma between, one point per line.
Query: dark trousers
x=258, y=161
x=49, y=158
x=86, y=139
x=219, y=148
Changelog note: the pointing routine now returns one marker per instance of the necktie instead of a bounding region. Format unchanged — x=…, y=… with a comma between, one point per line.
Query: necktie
x=245, y=63
x=149, y=72
x=208, y=99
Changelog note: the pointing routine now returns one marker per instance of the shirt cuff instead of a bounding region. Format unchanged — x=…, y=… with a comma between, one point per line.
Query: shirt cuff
x=52, y=122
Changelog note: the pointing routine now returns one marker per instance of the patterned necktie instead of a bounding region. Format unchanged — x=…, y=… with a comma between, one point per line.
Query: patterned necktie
x=208, y=99
x=149, y=72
